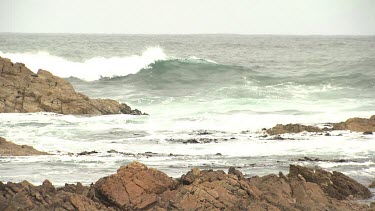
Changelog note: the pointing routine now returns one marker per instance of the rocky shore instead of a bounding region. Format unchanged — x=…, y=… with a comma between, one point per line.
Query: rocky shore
x=23, y=91
x=367, y=126
x=8, y=148
x=137, y=187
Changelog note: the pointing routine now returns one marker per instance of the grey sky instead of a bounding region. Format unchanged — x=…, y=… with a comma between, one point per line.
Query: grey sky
x=189, y=16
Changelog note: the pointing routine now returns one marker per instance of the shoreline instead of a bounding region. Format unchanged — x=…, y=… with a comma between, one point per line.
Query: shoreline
x=138, y=187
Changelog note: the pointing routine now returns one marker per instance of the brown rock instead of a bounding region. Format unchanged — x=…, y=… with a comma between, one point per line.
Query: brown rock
x=336, y=184
x=292, y=128
x=372, y=185
x=25, y=196
x=22, y=91
x=357, y=125
x=8, y=148
x=136, y=187
x=133, y=187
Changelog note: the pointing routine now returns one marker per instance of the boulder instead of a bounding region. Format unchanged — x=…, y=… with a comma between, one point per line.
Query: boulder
x=23, y=91
x=8, y=148
x=133, y=187
x=357, y=124
x=292, y=128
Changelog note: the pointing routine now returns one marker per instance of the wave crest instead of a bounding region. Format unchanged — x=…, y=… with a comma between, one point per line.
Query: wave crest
x=91, y=69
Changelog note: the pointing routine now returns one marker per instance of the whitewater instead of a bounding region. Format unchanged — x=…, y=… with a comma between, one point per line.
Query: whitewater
x=220, y=90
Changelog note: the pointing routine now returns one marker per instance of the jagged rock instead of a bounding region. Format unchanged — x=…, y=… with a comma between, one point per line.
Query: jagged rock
x=137, y=187
x=291, y=128
x=22, y=91
x=357, y=125
x=335, y=184
x=134, y=187
x=8, y=148
x=25, y=196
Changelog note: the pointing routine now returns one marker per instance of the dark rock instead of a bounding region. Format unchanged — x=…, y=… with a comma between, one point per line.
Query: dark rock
x=112, y=151
x=367, y=133
x=23, y=91
x=87, y=153
x=320, y=160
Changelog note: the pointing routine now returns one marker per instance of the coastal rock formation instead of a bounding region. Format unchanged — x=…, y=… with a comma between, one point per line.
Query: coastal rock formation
x=357, y=125
x=372, y=185
x=8, y=148
x=291, y=128
x=335, y=184
x=134, y=187
x=23, y=91
x=137, y=187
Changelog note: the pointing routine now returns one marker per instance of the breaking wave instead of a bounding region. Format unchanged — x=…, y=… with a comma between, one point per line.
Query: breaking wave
x=91, y=69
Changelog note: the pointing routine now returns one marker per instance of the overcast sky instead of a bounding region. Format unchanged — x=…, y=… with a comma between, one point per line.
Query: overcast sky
x=189, y=16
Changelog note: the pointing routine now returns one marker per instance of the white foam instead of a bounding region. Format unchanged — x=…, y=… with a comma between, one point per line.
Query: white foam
x=91, y=69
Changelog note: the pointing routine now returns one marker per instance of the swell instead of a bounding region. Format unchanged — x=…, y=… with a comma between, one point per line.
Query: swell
x=91, y=69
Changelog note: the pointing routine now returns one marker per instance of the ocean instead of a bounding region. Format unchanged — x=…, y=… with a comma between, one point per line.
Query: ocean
x=208, y=98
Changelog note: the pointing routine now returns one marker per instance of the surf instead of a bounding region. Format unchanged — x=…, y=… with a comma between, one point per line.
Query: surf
x=91, y=69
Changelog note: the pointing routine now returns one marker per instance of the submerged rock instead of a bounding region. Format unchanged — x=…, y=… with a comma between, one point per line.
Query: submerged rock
x=291, y=128
x=357, y=125
x=137, y=187
x=23, y=91
x=8, y=148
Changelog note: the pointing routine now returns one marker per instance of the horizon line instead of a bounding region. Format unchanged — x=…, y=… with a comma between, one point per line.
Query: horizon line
x=176, y=34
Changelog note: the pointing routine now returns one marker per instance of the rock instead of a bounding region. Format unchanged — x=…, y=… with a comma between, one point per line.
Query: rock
x=137, y=187
x=8, y=148
x=367, y=133
x=87, y=153
x=357, y=125
x=23, y=91
x=291, y=128
x=336, y=184
x=133, y=187
x=322, y=160
x=25, y=196
x=372, y=185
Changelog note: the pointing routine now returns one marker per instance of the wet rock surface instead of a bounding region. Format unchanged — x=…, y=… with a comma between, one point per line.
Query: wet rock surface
x=137, y=187
x=324, y=160
x=364, y=125
x=292, y=128
x=23, y=91
x=8, y=148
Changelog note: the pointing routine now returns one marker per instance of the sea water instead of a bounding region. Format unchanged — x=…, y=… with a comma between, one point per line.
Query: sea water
x=217, y=90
